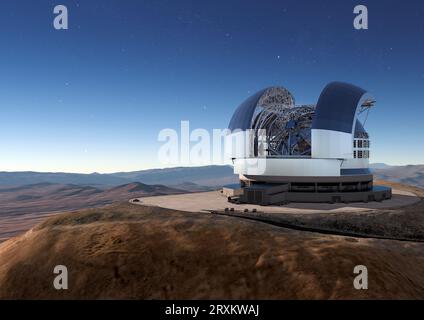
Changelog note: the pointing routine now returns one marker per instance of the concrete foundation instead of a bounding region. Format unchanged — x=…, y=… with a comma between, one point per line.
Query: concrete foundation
x=274, y=194
x=216, y=201
x=268, y=196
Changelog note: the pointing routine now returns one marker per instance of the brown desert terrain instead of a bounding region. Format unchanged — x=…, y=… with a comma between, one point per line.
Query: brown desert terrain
x=128, y=251
x=23, y=207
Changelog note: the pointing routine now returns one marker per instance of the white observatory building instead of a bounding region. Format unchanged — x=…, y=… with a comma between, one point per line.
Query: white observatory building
x=285, y=152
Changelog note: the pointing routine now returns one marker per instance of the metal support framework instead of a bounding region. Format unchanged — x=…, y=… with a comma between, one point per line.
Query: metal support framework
x=287, y=126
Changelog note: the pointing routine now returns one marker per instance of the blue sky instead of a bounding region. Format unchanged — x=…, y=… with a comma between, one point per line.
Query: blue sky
x=94, y=97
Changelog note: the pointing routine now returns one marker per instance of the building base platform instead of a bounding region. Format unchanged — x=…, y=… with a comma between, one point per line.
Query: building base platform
x=280, y=194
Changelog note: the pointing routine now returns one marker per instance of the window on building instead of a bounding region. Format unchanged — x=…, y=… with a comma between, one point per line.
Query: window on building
x=365, y=143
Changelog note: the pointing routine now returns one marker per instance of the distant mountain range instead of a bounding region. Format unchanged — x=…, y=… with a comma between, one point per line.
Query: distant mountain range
x=208, y=176
x=186, y=178
x=27, y=198
x=23, y=207
x=379, y=166
x=411, y=174
x=29, y=177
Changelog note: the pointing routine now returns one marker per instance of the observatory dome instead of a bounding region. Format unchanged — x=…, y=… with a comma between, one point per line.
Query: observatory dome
x=284, y=152
x=287, y=125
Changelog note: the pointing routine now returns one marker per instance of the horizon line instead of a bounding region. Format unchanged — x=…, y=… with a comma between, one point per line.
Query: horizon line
x=164, y=168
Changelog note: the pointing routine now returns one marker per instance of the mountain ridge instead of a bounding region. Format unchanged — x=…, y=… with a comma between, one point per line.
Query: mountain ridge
x=209, y=176
x=204, y=176
x=22, y=207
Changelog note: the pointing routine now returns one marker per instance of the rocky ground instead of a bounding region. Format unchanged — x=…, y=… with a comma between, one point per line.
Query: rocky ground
x=21, y=208
x=126, y=251
x=401, y=223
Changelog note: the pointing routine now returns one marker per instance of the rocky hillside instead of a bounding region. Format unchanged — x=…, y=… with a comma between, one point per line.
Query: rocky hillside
x=22, y=207
x=126, y=251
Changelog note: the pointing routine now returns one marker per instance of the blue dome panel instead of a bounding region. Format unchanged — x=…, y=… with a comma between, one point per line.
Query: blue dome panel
x=337, y=107
x=242, y=117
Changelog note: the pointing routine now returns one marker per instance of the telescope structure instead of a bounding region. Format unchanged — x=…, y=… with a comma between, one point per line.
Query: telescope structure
x=285, y=152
